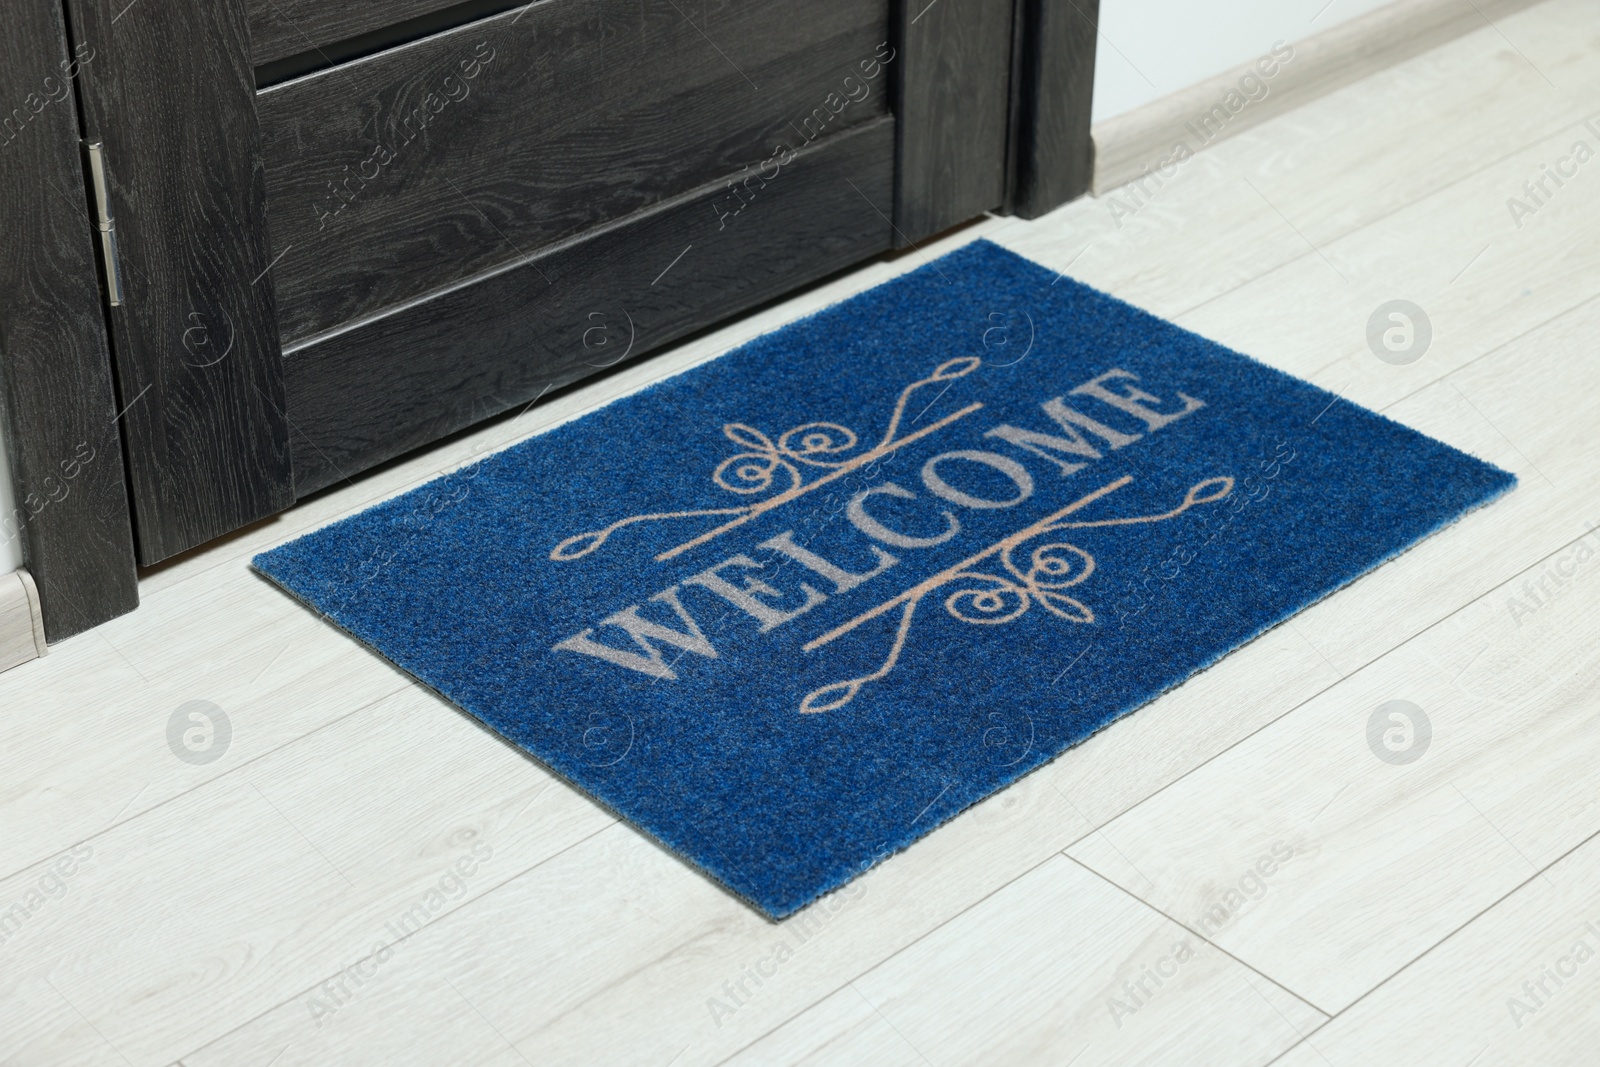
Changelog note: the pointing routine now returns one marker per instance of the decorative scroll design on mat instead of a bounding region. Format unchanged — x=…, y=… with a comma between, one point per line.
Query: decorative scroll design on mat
x=764, y=464
x=990, y=595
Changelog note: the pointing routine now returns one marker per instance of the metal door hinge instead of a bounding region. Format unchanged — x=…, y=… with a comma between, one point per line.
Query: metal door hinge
x=95, y=151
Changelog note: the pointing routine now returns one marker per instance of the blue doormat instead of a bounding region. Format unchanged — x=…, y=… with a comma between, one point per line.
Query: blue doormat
x=790, y=610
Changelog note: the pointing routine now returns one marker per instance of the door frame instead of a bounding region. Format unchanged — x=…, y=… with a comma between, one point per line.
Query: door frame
x=1051, y=157
x=60, y=414
x=993, y=106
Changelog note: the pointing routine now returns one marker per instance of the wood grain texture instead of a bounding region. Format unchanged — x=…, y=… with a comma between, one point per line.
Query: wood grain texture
x=1052, y=152
x=953, y=93
x=424, y=166
x=197, y=356
x=448, y=454
x=282, y=28
x=607, y=952
x=416, y=21
x=1129, y=145
x=56, y=397
x=371, y=392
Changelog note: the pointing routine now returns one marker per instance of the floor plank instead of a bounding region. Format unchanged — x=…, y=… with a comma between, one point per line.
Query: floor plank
x=611, y=951
x=1276, y=194
x=1057, y=967
x=1516, y=986
x=177, y=925
x=84, y=744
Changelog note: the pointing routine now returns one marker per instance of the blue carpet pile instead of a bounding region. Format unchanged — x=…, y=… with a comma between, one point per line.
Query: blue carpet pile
x=789, y=611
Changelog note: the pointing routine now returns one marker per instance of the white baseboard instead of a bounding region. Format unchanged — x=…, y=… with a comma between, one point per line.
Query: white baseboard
x=21, y=622
x=1129, y=145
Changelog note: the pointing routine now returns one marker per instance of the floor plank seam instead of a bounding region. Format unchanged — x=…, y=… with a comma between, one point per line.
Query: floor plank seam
x=1403, y=968
x=1330, y=1016
x=1443, y=378
x=402, y=940
x=1375, y=659
x=1306, y=1041
x=1210, y=941
x=1099, y=829
x=887, y=957
x=118, y=821
x=1376, y=219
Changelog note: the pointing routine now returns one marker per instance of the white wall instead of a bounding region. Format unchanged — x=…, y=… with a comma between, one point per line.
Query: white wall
x=1150, y=48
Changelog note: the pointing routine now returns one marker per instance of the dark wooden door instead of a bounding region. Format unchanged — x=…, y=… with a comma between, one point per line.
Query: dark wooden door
x=349, y=228
x=508, y=206
x=57, y=406
x=171, y=94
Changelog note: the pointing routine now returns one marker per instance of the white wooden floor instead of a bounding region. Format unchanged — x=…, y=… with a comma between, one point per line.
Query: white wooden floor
x=1444, y=911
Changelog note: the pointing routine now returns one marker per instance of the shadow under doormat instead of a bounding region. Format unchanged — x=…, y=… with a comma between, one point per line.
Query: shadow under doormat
x=792, y=609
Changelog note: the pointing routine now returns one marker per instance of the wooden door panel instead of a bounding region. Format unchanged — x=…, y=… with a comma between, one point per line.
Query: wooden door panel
x=422, y=167
x=198, y=368
x=366, y=394
x=954, y=83
x=283, y=28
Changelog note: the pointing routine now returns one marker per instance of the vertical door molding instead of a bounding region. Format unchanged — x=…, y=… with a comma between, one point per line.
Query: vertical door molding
x=171, y=92
x=953, y=81
x=59, y=412
x=1052, y=152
